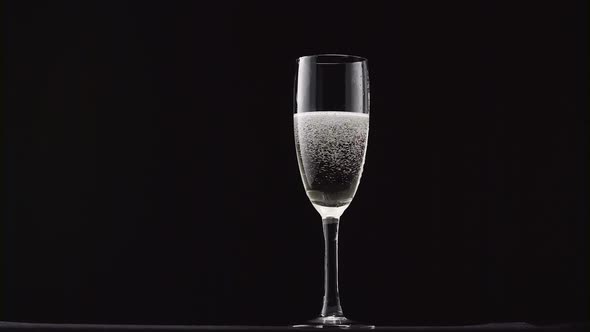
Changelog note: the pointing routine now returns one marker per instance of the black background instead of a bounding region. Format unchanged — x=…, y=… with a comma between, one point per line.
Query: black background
x=150, y=174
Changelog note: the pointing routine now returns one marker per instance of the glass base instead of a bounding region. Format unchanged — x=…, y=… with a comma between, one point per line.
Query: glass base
x=333, y=322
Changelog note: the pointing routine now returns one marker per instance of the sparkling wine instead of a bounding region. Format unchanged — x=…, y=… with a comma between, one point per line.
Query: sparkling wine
x=331, y=149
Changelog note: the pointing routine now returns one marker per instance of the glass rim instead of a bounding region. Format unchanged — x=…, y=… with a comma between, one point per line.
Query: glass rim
x=332, y=59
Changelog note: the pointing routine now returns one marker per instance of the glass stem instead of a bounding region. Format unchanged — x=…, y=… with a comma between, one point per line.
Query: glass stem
x=331, y=297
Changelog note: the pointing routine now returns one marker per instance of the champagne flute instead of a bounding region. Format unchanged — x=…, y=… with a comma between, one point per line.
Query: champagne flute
x=331, y=120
